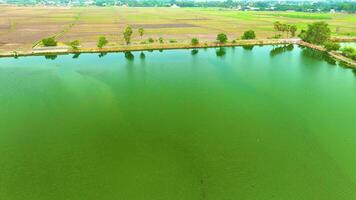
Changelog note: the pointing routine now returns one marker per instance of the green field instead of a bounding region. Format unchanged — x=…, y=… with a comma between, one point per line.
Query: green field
x=22, y=27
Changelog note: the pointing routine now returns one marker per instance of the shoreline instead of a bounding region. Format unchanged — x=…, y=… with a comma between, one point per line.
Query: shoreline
x=124, y=48
x=170, y=46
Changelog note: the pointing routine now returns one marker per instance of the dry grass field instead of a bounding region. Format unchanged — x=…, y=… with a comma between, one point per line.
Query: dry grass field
x=23, y=27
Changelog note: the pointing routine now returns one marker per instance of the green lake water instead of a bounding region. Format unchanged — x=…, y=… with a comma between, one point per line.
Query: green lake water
x=218, y=124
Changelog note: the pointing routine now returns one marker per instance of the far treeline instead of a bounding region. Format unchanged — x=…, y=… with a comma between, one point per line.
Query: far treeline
x=303, y=6
x=317, y=33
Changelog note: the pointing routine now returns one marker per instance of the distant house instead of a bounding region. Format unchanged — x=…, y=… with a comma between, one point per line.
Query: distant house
x=89, y=3
x=238, y=8
x=252, y=8
x=174, y=6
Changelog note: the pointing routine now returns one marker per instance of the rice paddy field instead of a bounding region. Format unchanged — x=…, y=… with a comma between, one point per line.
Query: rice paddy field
x=22, y=27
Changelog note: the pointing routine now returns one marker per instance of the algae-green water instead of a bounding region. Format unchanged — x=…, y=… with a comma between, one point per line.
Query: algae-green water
x=217, y=124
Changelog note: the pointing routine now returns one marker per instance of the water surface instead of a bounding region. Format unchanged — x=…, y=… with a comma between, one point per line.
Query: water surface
x=232, y=123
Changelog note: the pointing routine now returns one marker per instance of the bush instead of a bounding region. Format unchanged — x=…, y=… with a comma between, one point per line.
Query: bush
x=75, y=44
x=249, y=35
x=195, y=41
x=49, y=42
x=161, y=40
x=172, y=41
x=102, y=42
x=332, y=46
x=222, y=38
x=151, y=40
x=277, y=36
x=349, y=52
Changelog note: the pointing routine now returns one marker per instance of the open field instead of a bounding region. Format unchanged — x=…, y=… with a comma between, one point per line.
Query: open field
x=22, y=27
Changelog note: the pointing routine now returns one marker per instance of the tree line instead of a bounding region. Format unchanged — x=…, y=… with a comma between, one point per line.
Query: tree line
x=303, y=6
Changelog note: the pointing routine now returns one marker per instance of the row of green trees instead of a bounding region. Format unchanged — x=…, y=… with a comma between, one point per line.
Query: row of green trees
x=221, y=38
x=285, y=28
x=103, y=41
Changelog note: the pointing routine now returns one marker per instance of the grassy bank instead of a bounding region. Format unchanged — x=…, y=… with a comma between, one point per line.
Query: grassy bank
x=156, y=46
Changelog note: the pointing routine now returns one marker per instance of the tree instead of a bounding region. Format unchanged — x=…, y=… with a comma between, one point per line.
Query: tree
x=285, y=28
x=195, y=41
x=151, y=40
x=222, y=38
x=277, y=26
x=248, y=35
x=332, y=46
x=317, y=33
x=127, y=34
x=293, y=29
x=161, y=40
x=141, y=31
x=102, y=42
x=49, y=42
x=74, y=44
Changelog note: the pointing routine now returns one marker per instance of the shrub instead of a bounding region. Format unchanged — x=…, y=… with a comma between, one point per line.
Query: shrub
x=277, y=36
x=349, y=52
x=74, y=44
x=249, y=35
x=222, y=38
x=332, y=46
x=49, y=42
x=161, y=40
x=195, y=41
x=141, y=31
x=173, y=41
x=151, y=40
x=102, y=42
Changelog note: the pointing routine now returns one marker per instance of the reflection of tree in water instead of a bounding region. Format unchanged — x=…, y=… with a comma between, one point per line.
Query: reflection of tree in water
x=248, y=47
x=102, y=54
x=160, y=50
x=51, y=57
x=354, y=71
x=129, y=56
x=150, y=50
x=345, y=65
x=194, y=52
x=76, y=55
x=319, y=55
x=281, y=49
x=221, y=52
x=142, y=56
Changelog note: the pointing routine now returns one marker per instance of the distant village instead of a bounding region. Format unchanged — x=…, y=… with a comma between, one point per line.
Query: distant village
x=249, y=5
